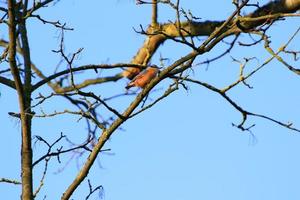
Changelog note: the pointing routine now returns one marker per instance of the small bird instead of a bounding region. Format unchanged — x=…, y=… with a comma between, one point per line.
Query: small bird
x=143, y=78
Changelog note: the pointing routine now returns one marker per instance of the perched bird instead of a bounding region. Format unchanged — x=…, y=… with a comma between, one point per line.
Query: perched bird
x=143, y=78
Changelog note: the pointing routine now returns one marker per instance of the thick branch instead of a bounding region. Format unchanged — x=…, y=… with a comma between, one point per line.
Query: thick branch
x=7, y=82
x=27, y=61
x=12, y=49
x=154, y=13
x=26, y=152
x=273, y=7
x=156, y=35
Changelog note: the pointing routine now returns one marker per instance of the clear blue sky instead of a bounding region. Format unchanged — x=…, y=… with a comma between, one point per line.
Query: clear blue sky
x=185, y=146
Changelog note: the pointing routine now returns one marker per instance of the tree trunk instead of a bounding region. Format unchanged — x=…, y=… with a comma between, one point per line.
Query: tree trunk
x=24, y=97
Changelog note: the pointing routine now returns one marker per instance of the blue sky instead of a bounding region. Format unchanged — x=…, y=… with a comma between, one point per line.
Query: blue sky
x=183, y=148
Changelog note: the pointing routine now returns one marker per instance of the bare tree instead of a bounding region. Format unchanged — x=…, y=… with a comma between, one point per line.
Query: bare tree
x=19, y=73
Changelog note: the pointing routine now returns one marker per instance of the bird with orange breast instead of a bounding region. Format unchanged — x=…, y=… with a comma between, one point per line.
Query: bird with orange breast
x=143, y=78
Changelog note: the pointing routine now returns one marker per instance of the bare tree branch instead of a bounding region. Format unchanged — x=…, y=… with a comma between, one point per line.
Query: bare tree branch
x=26, y=150
x=5, y=180
x=7, y=82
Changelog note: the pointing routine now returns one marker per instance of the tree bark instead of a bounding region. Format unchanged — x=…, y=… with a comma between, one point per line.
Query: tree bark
x=24, y=95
